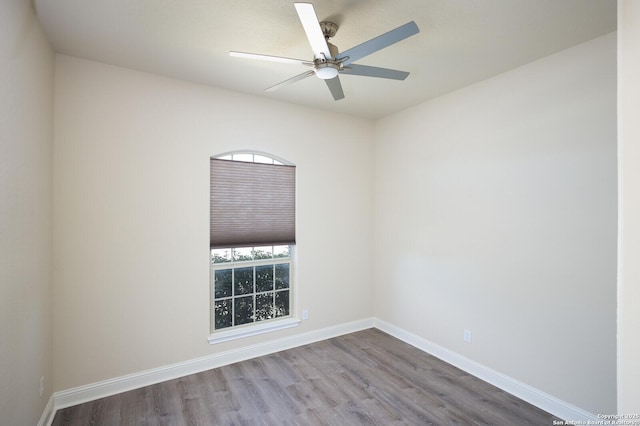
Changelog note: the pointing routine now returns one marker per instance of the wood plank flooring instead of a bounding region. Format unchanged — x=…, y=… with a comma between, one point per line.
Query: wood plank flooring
x=363, y=378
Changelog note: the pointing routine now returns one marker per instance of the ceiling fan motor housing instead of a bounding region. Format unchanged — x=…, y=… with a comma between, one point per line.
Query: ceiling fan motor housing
x=328, y=68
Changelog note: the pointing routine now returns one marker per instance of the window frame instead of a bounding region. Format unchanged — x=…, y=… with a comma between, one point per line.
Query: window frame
x=255, y=327
x=267, y=325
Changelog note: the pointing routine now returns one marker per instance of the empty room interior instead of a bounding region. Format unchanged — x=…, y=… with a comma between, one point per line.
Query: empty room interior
x=480, y=202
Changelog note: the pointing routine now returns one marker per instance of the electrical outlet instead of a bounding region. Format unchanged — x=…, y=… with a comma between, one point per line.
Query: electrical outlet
x=41, y=386
x=467, y=336
x=305, y=314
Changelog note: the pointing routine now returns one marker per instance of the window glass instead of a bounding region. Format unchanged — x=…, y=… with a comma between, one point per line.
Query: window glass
x=250, y=285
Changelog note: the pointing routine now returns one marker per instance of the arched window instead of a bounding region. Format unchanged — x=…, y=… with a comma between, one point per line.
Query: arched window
x=252, y=234
x=252, y=157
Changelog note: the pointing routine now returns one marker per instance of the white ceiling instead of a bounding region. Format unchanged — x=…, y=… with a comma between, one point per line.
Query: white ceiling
x=460, y=42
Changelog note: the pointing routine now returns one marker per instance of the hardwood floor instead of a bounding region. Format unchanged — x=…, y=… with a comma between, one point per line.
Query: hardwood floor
x=363, y=378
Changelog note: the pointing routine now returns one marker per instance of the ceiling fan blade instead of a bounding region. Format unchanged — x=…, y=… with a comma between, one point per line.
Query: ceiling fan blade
x=311, y=26
x=368, y=71
x=290, y=80
x=269, y=58
x=335, y=87
x=380, y=42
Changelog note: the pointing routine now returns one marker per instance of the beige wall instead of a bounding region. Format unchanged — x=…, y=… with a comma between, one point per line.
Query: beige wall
x=629, y=206
x=131, y=219
x=496, y=213
x=26, y=133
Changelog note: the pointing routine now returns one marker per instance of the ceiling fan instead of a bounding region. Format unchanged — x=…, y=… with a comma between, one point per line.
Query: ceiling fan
x=327, y=62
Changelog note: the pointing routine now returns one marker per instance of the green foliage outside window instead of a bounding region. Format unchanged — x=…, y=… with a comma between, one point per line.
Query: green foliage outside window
x=245, y=294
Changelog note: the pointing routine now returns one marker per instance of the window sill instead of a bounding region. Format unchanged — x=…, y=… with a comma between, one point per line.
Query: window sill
x=254, y=330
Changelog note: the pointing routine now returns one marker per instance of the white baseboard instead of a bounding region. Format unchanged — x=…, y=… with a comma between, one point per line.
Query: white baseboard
x=93, y=391
x=521, y=390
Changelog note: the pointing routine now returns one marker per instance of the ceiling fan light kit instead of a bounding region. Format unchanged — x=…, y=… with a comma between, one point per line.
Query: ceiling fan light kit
x=327, y=70
x=328, y=62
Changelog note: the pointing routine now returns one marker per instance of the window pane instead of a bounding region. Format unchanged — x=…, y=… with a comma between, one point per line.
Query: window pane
x=282, y=276
x=263, y=252
x=220, y=255
x=262, y=159
x=243, y=310
x=282, y=303
x=264, y=306
x=222, y=314
x=243, y=157
x=264, y=278
x=242, y=254
x=243, y=281
x=222, y=283
x=281, y=251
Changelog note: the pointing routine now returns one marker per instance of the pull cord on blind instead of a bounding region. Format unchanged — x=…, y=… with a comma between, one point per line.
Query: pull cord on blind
x=252, y=204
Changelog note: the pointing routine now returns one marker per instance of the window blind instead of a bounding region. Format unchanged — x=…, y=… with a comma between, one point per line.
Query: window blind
x=252, y=204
